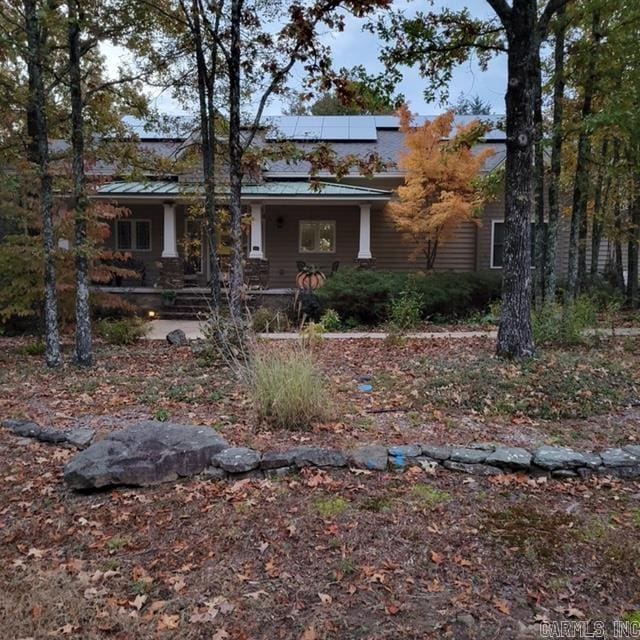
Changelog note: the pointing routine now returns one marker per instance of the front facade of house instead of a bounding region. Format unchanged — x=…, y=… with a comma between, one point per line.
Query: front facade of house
x=290, y=223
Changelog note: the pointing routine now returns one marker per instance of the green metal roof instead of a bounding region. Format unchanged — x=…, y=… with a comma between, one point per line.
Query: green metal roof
x=280, y=189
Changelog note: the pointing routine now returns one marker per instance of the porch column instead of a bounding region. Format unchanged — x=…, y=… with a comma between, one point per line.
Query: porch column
x=364, y=251
x=256, y=232
x=170, y=248
x=171, y=265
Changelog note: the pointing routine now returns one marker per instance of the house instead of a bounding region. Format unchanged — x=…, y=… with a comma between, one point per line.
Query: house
x=341, y=224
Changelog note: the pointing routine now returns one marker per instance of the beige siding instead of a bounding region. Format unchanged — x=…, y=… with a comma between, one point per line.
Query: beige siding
x=282, y=242
x=394, y=251
x=151, y=259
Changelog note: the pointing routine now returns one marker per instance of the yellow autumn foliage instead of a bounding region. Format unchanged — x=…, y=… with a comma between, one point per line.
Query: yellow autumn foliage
x=440, y=190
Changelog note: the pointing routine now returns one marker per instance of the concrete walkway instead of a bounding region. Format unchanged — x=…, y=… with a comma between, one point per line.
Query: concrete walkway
x=193, y=330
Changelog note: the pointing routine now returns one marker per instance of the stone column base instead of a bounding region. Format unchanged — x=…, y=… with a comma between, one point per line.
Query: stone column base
x=256, y=272
x=171, y=273
x=365, y=263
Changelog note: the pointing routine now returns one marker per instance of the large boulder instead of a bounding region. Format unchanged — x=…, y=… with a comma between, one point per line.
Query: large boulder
x=177, y=338
x=146, y=453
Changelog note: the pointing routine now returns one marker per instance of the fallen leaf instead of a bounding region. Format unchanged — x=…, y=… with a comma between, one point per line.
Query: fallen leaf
x=138, y=602
x=168, y=622
x=325, y=598
x=309, y=634
x=436, y=557
x=502, y=606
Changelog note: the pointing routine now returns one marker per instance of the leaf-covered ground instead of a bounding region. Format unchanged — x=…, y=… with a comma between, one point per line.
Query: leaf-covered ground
x=314, y=556
x=441, y=391
x=323, y=556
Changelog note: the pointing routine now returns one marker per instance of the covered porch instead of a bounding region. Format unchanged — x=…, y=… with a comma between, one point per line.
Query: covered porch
x=288, y=225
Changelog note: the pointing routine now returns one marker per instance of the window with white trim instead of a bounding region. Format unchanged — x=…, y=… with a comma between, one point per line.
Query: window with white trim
x=133, y=235
x=317, y=236
x=497, y=242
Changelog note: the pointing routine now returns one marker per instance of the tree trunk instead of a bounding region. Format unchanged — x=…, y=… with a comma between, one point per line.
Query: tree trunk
x=538, y=184
x=515, y=338
x=38, y=152
x=79, y=202
x=206, y=84
x=236, y=279
x=601, y=194
x=579, y=222
x=634, y=242
x=556, y=161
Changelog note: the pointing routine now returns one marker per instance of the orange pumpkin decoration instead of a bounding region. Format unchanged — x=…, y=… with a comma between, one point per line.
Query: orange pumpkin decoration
x=310, y=279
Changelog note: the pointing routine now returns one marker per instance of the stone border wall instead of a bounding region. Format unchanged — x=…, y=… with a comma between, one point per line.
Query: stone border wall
x=482, y=460
x=187, y=450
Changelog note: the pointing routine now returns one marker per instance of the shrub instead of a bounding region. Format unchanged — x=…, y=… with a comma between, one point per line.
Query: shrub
x=406, y=310
x=33, y=348
x=368, y=296
x=124, y=331
x=361, y=294
x=451, y=295
x=311, y=334
x=264, y=320
x=564, y=325
x=330, y=320
x=287, y=388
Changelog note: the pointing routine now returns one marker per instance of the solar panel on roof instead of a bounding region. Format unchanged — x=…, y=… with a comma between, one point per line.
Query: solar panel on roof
x=329, y=132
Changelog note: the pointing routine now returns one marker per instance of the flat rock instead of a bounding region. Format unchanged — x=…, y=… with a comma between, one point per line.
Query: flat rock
x=177, y=338
x=277, y=459
x=436, y=451
x=593, y=460
x=472, y=469
x=280, y=472
x=405, y=455
x=52, y=436
x=510, y=457
x=468, y=456
x=22, y=428
x=563, y=474
x=372, y=457
x=633, y=449
x=552, y=458
x=318, y=457
x=618, y=458
x=237, y=459
x=80, y=437
x=627, y=472
x=214, y=473
x=144, y=454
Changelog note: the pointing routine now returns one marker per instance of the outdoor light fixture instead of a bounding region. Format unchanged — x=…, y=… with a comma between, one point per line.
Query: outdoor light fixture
x=151, y=314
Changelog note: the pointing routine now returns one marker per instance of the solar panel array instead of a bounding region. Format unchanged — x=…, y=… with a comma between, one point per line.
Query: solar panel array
x=349, y=128
x=345, y=128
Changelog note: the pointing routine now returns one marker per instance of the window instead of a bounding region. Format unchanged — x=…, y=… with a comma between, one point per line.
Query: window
x=497, y=242
x=133, y=235
x=318, y=236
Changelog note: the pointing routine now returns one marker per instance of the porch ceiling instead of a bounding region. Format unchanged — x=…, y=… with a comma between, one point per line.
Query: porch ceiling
x=277, y=190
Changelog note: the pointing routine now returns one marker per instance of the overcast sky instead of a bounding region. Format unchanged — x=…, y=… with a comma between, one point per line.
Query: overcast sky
x=354, y=46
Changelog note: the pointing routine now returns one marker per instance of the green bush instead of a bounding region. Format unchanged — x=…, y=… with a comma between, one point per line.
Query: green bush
x=565, y=325
x=330, y=320
x=450, y=295
x=33, y=348
x=367, y=296
x=406, y=310
x=123, y=331
x=361, y=294
x=265, y=320
x=287, y=388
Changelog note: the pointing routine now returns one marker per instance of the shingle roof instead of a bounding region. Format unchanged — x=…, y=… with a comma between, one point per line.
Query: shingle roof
x=278, y=189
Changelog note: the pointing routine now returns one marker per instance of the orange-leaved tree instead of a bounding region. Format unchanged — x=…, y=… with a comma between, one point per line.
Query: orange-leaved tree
x=441, y=188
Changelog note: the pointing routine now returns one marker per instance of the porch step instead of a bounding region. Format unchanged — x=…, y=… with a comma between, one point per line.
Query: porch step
x=180, y=314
